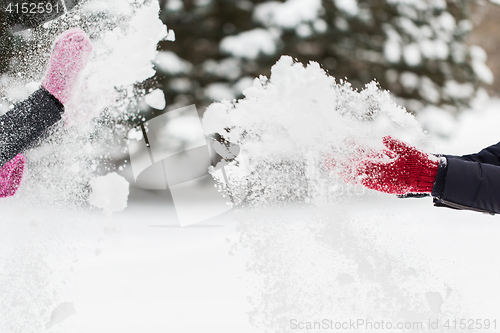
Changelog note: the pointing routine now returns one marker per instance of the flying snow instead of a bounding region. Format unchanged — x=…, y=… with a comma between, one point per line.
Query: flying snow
x=289, y=123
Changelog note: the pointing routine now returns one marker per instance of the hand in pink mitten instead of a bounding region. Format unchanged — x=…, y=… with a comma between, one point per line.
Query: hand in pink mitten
x=11, y=175
x=70, y=55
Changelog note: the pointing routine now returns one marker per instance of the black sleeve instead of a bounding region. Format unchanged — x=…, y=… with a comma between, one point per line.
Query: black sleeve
x=27, y=122
x=470, y=182
x=490, y=155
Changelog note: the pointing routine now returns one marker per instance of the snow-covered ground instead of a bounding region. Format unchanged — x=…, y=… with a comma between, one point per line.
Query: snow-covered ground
x=137, y=271
x=371, y=257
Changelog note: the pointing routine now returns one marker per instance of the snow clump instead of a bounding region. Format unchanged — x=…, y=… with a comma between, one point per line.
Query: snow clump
x=289, y=123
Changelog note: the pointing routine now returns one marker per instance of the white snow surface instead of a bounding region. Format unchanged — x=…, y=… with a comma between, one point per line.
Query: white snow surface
x=369, y=256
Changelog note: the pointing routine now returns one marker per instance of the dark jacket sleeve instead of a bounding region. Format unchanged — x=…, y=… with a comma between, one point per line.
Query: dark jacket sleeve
x=27, y=122
x=470, y=182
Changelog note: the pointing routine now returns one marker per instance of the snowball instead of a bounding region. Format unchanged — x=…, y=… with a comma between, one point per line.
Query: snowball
x=109, y=192
x=156, y=99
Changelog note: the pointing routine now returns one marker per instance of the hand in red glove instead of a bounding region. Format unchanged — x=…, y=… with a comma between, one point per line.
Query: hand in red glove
x=353, y=153
x=408, y=171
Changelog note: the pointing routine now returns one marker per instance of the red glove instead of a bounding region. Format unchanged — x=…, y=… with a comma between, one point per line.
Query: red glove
x=344, y=164
x=407, y=171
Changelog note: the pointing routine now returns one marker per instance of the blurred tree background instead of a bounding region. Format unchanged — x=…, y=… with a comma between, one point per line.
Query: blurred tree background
x=423, y=51
x=419, y=50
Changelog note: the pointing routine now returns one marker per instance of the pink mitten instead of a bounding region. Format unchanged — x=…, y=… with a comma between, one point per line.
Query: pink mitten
x=11, y=175
x=70, y=55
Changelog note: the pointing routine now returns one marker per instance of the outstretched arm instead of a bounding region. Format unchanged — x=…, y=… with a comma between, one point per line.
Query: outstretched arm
x=26, y=122
x=463, y=182
x=30, y=119
x=470, y=181
x=490, y=155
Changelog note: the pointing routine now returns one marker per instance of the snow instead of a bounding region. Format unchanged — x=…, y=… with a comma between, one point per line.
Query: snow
x=219, y=92
x=458, y=90
x=344, y=252
x=350, y=7
x=478, y=58
x=409, y=80
x=290, y=13
x=287, y=124
x=228, y=68
x=117, y=31
x=429, y=90
x=109, y=193
x=411, y=55
x=174, y=5
x=447, y=21
x=143, y=31
x=434, y=49
x=483, y=72
x=320, y=26
x=392, y=51
x=171, y=63
x=170, y=36
x=156, y=99
x=392, y=46
x=250, y=44
x=81, y=271
x=437, y=121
